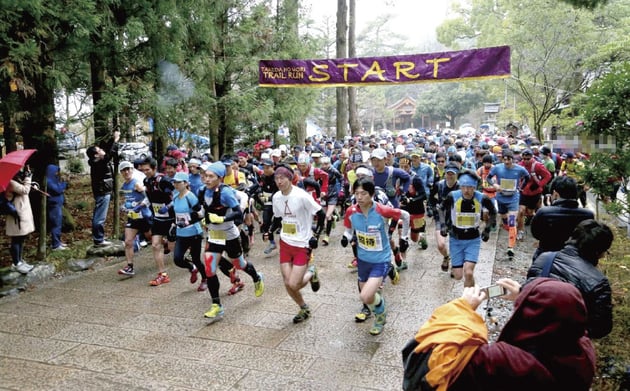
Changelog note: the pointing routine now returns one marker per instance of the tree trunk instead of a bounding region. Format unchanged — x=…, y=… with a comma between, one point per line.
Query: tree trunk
x=342, y=49
x=353, y=115
x=39, y=133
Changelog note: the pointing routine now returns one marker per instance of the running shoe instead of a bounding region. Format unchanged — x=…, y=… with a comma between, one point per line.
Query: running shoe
x=380, y=318
x=353, y=265
x=162, y=278
x=22, y=267
x=236, y=287
x=445, y=261
x=423, y=243
x=394, y=275
x=214, y=312
x=259, y=286
x=315, y=285
x=510, y=252
x=520, y=235
x=127, y=270
x=193, y=274
x=403, y=266
x=301, y=316
x=203, y=286
x=325, y=240
x=362, y=316
x=270, y=248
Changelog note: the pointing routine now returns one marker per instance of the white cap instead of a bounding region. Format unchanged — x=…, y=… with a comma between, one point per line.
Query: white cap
x=124, y=165
x=276, y=152
x=282, y=148
x=379, y=153
x=265, y=155
x=400, y=148
x=364, y=171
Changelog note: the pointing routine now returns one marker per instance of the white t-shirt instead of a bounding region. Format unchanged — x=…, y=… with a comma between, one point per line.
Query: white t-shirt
x=297, y=210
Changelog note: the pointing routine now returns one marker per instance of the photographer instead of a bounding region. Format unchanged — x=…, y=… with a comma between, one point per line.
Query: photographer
x=543, y=346
x=23, y=224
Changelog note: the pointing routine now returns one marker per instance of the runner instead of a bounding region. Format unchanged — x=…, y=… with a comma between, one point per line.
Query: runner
x=293, y=210
x=223, y=214
x=369, y=220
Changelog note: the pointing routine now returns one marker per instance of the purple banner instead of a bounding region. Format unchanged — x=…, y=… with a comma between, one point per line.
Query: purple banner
x=485, y=63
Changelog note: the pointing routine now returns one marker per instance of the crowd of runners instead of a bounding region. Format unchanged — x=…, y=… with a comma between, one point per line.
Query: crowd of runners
x=436, y=190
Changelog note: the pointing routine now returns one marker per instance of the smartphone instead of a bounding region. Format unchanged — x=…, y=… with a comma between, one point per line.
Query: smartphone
x=494, y=291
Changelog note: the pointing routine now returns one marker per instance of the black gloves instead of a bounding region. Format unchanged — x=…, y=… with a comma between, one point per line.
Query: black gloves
x=172, y=233
x=344, y=241
x=403, y=244
x=313, y=242
x=444, y=231
x=485, y=235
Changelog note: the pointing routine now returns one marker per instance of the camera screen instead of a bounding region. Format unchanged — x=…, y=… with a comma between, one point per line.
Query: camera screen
x=495, y=290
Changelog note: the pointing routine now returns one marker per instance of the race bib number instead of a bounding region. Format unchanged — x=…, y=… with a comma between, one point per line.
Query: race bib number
x=217, y=237
x=508, y=184
x=289, y=229
x=466, y=220
x=134, y=215
x=156, y=210
x=182, y=219
x=369, y=241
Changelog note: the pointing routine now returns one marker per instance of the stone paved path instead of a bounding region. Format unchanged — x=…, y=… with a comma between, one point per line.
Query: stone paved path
x=98, y=331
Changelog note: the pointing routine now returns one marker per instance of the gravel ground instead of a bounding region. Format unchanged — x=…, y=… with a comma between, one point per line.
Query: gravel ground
x=515, y=269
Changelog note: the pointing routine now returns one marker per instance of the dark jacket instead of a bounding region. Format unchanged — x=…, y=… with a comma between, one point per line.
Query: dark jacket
x=101, y=172
x=569, y=267
x=552, y=225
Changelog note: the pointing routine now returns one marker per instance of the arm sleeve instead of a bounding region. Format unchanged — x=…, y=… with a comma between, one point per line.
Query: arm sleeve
x=487, y=203
x=235, y=215
x=443, y=212
x=599, y=305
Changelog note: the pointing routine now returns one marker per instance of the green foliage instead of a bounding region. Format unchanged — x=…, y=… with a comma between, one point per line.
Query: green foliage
x=613, y=351
x=589, y=4
x=602, y=172
x=551, y=44
x=604, y=108
x=74, y=165
x=447, y=102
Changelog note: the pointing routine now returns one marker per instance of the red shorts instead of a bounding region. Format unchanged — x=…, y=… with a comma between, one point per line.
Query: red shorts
x=298, y=256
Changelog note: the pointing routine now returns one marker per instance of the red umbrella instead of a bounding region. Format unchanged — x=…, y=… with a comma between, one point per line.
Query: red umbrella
x=11, y=164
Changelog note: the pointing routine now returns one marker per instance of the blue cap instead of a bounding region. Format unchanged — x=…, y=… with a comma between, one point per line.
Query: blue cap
x=217, y=168
x=180, y=177
x=467, y=180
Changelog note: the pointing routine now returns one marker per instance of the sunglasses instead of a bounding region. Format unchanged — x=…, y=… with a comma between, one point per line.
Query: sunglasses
x=441, y=161
x=527, y=158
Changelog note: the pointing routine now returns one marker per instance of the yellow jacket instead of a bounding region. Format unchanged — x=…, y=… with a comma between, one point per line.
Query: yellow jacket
x=454, y=332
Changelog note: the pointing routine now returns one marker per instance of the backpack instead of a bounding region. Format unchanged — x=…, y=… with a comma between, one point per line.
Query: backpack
x=7, y=207
x=416, y=367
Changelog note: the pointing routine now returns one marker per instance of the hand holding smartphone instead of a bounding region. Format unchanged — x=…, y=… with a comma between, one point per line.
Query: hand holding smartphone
x=494, y=291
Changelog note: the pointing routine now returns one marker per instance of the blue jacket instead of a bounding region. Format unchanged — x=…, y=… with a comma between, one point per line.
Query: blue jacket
x=55, y=187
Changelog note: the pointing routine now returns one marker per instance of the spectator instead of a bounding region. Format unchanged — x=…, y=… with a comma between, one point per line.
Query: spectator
x=576, y=264
x=552, y=225
x=543, y=346
x=18, y=227
x=55, y=188
x=102, y=178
